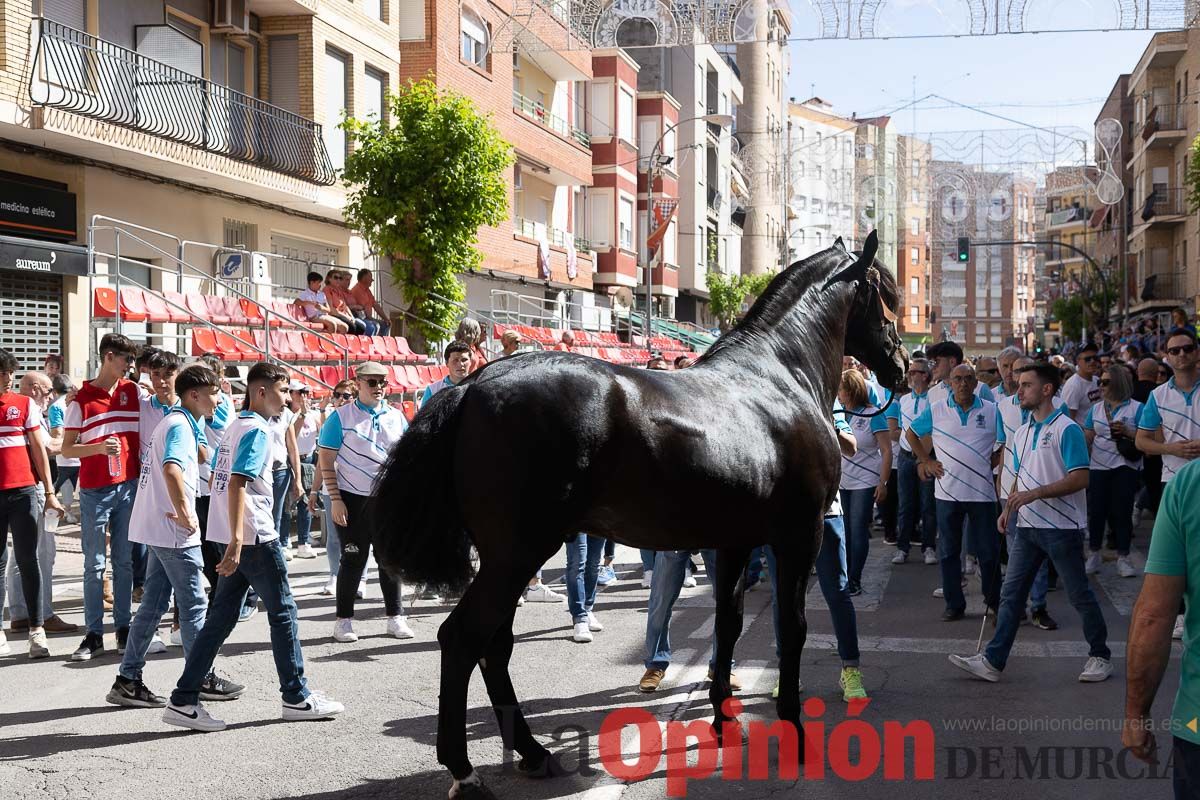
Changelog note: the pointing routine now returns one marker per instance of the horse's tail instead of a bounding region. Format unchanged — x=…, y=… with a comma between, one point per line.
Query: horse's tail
x=419, y=532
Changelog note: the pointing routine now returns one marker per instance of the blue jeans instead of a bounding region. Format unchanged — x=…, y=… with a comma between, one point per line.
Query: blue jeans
x=835, y=587
x=298, y=511
x=169, y=570
x=670, y=566
x=101, y=509
x=647, y=559
x=856, y=513
x=46, y=552
x=916, y=504
x=281, y=481
x=1031, y=548
x=1041, y=583
x=980, y=519
x=754, y=570
x=263, y=568
x=333, y=543
x=583, y=566
x=1110, y=495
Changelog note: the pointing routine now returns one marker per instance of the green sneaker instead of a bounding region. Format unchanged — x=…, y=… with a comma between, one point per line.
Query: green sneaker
x=775, y=691
x=852, y=684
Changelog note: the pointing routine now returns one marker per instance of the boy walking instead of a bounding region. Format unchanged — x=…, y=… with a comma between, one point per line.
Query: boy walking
x=240, y=518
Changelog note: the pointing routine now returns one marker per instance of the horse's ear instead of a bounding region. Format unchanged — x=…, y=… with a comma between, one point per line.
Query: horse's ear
x=858, y=270
x=870, y=248
x=840, y=245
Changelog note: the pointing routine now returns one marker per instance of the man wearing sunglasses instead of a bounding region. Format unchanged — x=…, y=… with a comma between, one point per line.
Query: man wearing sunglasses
x=348, y=471
x=1082, y=390
x=101, y=430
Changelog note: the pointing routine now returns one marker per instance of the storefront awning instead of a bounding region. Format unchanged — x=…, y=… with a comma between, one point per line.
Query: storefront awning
x=31, y=255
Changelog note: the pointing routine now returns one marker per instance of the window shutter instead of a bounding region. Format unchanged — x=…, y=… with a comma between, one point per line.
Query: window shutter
x=284, y=65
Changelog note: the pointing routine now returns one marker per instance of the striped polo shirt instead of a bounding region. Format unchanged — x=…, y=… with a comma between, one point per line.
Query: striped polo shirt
x=151, y=413
x=1104, y=449
x=95, y=415
x=964, y=441
x=363, y=438
x=910, y=405
x=214, y=432
x=176, y=441
x=1173, y=410
x=1012, y=416
x=1046, y=452
x=245, y=451
x=940, y=392
x=862, y=470
x=19, y=417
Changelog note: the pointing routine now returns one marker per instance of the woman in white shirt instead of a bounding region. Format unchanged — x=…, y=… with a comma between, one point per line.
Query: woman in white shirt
x=1110, y=427
x=865, y=475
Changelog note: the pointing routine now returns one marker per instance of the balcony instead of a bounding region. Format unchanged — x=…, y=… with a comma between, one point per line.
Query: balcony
x=538, y=113
x=1069, y=215
x=1164, y=206
x=552, y=236
x=1165, y=125
x=1164, y=288
x=84, y=75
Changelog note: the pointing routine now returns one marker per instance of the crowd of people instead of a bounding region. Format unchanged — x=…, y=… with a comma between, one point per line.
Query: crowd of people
x=1016, y=470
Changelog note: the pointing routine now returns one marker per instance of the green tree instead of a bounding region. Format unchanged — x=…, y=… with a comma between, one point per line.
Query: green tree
x=421, y=184
x=727, y=293
x=1193, y=177
x=1069, y=313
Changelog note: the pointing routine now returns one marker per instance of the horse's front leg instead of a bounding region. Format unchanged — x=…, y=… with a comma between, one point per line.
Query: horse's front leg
x=794, y=558
x=729, y=585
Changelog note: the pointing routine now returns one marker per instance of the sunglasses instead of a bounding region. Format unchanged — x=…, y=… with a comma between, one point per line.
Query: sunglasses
x=343, y=395
x=987, y=371
x=1185, y=349
x=375, y=383
x=1105, y=382
x=1087, y=358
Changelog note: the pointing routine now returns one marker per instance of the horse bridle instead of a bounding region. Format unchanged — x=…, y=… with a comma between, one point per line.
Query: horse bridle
x=868, y=300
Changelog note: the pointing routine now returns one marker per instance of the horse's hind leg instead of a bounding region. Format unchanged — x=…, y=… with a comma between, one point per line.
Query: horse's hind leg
x=793, y=560
x=729, y=592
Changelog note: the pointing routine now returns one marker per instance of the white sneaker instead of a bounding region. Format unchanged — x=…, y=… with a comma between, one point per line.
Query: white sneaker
x=287, y=553
x=397, y=628
x=157, y=646
x=971, y=565
x=521, y=600
x=1092, y=566
x=931, y=556
x=647, y=577
x=689, y=581
x=315, y=706
x=977, y=665
x=329, y=588
x=1178, y=632
x=1095, y=670
x=305, y=551
x=5, y=647
x=37, y=645
x=176, y=639
x=581, y=634
x=362, y=587
x=594, y=623
x=938, y=592
x=541, y=593
x=343, y=631
x=1125, y=567
x=195, y=717
x=900, y=557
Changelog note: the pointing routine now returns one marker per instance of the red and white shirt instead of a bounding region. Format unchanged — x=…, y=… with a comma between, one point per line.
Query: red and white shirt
x=96, y=415
x=19, y=417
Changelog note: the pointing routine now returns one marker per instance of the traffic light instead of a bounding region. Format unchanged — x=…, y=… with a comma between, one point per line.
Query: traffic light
x=964, y=249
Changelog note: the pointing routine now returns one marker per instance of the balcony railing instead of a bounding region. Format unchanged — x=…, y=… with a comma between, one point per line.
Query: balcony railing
x=558, y=8
x=539, y=231
x=538, y=113
x=1165, y=286
x=1166, y=117
x=1072, y=214
x=1166, y=202
x=85, y=75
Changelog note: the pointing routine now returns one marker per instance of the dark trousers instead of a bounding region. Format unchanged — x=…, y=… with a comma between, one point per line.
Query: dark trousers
x=916, y=505
x=19, y=514
x=1110, y=496
x=355, y=537
x=212, y=552
x=1185, y=759
x=890, y=507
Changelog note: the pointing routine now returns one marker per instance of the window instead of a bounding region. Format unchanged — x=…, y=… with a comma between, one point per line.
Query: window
x=914, y=226
x=914, y=315
x=800, y=237
x=625, y=115
x=474, y=38
x=800, y=169
x=373, y=9
x=625, y=224
x=337, y=77
x=915, y=196
x=816, y=207
x=412, y=19
x=817, y=171
x=601, y=219
x=916, y=168
x=914, y=257
x=800, y=134
x=647, y=138
x=374, y=90
x=801, y=204
x=817, y=239
x=668, y=147
x=602, y=123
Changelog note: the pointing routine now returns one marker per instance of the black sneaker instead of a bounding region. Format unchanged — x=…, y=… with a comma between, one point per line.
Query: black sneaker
x=890, y=539
x=133, y=694
x=217, y=688
x=92, y=645
x=122, y=639
x=1043, y=620
x=854, y=589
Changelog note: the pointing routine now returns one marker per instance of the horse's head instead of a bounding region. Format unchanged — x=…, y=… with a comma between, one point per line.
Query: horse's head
x=871, y=335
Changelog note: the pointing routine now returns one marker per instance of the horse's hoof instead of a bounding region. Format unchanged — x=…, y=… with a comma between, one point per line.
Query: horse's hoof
x=548, y=768
x=471, y=791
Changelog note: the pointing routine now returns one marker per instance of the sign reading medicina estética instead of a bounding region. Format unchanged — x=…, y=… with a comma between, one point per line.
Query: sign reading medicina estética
x=36, y=211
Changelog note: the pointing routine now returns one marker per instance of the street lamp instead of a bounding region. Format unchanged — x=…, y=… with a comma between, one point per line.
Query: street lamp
x=722, y=120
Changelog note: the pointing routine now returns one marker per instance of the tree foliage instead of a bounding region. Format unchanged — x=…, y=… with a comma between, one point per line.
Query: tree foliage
x=727, y=294
x=1193, y=177
x=421, y=184
x=1069, y=312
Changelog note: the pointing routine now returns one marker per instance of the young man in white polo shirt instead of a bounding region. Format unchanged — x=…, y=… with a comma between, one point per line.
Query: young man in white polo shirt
x=962, y=429
x=164, y=519
x=458, y=362
x=240, y=517
x=354, y=445
x=916, y=495
x=1082, y=390
x=1049, y=497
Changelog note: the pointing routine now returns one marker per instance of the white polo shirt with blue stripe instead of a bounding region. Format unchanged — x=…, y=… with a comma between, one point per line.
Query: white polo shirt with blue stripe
x=214, y=433
x=1178, y=415
x=862, y=470
x=1046, y=452
x=150, y=416
x=910, y=407
x=1012, y=417
x=964, y=441
x=176, y=440
x=839, y=426
x=941, y=391
x=363, y=437
x=245, y=451
x=1105, y=455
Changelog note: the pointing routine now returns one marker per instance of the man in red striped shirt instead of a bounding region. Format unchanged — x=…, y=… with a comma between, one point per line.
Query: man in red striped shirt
x=23, y=465
x=101, y=430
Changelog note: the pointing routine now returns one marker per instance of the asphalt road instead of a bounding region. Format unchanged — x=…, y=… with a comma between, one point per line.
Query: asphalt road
x=1038, y=732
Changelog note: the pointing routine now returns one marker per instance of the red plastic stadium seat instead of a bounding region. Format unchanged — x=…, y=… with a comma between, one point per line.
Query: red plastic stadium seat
x=198, y=306
x=294, y=340
x=412, y=377
x=156, y=308
x=440, y=371
x=360, y=347
x=177, y=307
x=498, y=331
x=376, y=349
x=104, y=302
x=330, y=348
x=405, y=352
x=246, y=343
x=386, y=347
x=251, y=311
x=229, y=347
x=343, y=343
x=133, y=304
x=279, y=312
x=425, y=375
x=398, y=380
x=203, y=341
x=331, y=375
x=216, y=310
x=409, y=408
x=280, y=346
x=233, y=310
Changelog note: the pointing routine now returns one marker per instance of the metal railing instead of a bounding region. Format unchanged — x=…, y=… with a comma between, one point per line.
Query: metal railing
x=539, y=113
x=558, y=8
x=1071, y=214
x=1166, y=117
x=536, y=230
x=1166, y=202
x=85, y=75
x=1163, y=285
x=511, y=308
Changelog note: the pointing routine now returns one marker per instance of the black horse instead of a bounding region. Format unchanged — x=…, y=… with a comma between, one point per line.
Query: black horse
x=584, y=445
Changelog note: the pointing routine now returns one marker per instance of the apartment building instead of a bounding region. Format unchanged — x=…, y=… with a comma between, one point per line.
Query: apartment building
x=540, y=101
x=1070, y=204
x=821, y=170
x=212, y=126
x=1163, y=236
x=914, y=247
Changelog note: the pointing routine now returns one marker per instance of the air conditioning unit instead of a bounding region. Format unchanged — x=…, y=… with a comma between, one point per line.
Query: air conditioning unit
x=231, y=17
